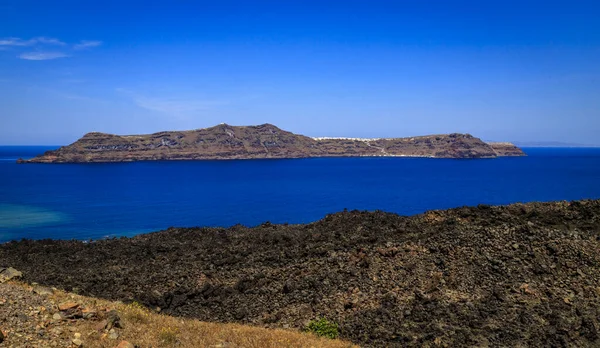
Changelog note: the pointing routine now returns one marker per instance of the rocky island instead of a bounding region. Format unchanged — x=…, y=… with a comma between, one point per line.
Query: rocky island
x=263, y=141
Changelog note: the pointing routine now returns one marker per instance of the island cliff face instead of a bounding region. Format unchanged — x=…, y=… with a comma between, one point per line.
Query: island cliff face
x=506, y=149
x=263, y=141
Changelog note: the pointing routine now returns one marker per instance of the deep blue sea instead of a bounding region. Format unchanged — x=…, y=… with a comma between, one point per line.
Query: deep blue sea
x=91, y=201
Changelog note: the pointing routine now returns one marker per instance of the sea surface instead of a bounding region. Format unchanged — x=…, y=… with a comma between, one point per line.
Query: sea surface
x=92, y=201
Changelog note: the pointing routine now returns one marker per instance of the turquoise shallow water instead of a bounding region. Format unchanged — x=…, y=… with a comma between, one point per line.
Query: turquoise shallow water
x=85, y=201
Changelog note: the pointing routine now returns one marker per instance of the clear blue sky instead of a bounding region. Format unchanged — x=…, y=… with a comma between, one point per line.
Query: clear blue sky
x=501, y=70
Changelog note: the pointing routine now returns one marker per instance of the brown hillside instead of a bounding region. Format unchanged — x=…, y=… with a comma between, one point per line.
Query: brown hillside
x=264, y=141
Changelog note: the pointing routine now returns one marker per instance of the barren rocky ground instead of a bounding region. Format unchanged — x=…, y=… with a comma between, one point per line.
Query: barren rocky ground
x=524, y=274
x=33, y=316
x=37, y=317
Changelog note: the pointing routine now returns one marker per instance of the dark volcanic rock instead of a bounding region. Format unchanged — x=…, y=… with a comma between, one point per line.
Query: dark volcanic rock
x=263, y=141
x=518, y=275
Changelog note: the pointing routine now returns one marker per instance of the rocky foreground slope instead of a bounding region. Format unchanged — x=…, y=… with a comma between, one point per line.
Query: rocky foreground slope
x=41, y=317
x=263, y=141
x=524, y=274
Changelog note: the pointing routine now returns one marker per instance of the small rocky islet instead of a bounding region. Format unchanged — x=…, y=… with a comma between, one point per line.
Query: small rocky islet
x=516, y=275
x=263, y=141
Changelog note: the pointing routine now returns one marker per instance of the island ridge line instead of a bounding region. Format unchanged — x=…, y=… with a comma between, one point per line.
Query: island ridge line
x=263, y=141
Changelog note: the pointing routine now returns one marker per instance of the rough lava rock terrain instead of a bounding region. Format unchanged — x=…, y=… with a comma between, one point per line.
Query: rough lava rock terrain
x=517, y=275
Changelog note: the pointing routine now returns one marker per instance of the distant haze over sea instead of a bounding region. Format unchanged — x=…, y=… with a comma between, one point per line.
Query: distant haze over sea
x=551, y=144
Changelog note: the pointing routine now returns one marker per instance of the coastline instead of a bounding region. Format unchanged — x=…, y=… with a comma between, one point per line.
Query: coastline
x=128, y=160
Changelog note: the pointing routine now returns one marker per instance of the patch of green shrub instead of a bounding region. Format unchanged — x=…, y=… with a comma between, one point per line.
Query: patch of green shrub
x=323, y=328
x=168, y=335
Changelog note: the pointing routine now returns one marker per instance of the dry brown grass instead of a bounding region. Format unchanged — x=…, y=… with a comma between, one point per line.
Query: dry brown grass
x=145, y=328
